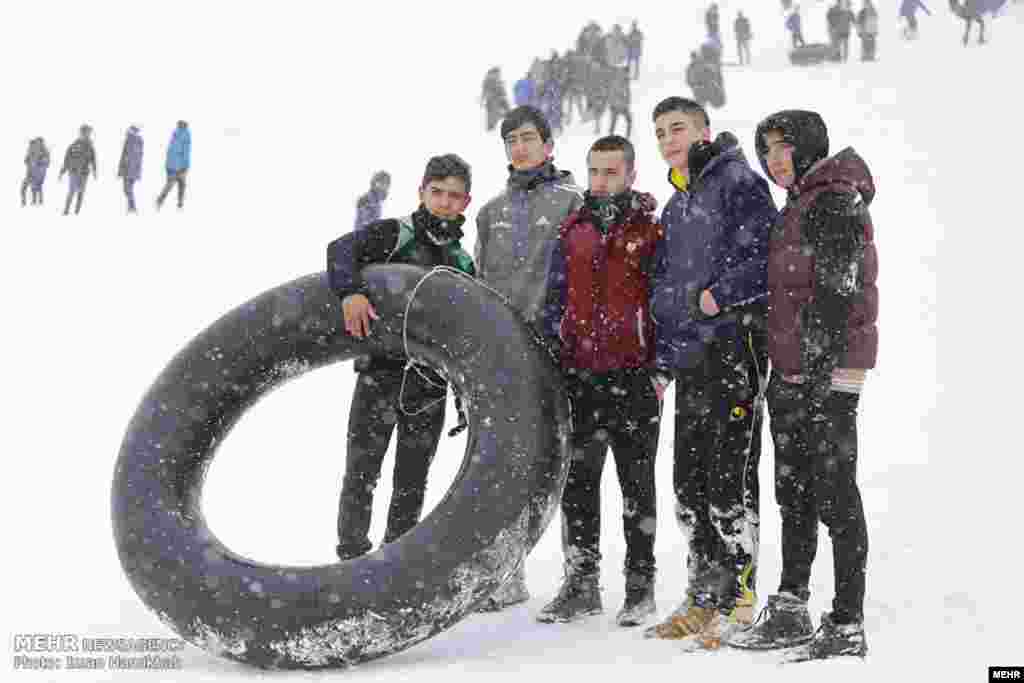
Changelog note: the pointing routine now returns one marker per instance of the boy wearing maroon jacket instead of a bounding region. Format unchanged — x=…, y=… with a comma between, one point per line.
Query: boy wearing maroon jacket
x=597, y=315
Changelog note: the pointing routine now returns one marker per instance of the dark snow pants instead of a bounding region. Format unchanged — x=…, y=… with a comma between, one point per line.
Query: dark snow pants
x=620, y=410
x=173, y=178
x=375, y=413
x=129, y=192
x=816, y=478
x=77, y=183
x=867, y=47
x=717, y=450
x=36, y=183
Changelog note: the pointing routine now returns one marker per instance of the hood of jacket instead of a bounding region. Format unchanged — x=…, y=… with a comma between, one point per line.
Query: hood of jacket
x=805, y=130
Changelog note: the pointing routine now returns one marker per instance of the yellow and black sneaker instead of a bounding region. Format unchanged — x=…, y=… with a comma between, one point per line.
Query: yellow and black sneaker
x=746, y=599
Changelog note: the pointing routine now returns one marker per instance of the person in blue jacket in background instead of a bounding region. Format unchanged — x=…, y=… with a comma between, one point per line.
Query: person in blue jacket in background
x=179, y=160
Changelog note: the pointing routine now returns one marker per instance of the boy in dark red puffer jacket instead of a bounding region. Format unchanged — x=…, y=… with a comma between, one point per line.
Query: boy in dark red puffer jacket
x=598, y=315
x=822, y=340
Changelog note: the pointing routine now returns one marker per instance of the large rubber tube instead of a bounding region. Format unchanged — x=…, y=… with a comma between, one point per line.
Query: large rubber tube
x=336, y=615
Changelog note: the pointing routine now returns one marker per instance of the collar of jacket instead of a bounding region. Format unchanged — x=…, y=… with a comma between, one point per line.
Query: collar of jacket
x=723, y=148
x=630, y=204
x=530, y=178
x=678, y=179
x=436, y=230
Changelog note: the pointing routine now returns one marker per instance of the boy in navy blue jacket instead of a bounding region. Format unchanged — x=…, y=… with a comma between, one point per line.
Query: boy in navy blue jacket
x=386, y=394
x=709, y=282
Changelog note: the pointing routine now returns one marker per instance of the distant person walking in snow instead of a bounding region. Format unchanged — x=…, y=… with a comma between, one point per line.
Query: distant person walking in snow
x=908, y=11
x=971, y=11
x=179, y=160
x=712, y=23
x=703, y=79
x=494, y=98
x=79, y=160
x=523, y=91
x=37, y=161
x=129, y=169
x=634, y=50
x=867, y=29
x=616, y=47
x=840, y=24
x=368, y=206
x=795, y=26
x=847, y=20
x=741, y=28
x=619, y=99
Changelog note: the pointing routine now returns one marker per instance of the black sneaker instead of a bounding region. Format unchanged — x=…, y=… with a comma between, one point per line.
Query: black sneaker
x=832, y=640
x=639, y=602
x=784, y=622
x=577, y=598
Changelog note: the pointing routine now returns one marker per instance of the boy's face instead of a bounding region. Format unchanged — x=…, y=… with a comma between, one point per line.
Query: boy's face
x=676, y=132
x=779, y=159
x=525, y=148
x=609, y=172
x=445, y=198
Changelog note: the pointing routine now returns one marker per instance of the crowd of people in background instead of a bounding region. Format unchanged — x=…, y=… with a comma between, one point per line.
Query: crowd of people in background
x=80, y=162
x=589, y=80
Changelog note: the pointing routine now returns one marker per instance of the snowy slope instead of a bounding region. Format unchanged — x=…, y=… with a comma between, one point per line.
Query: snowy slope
x=289, y=123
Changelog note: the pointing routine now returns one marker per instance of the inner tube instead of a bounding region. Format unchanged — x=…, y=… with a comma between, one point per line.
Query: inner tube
x=337, y=615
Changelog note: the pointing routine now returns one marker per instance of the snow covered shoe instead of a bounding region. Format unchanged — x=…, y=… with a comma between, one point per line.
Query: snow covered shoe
x=687, y=603
x=784, y=622
x=678, y=626
x=639, y=602
x=577, y=598
x=832, y=640
x=512, y=593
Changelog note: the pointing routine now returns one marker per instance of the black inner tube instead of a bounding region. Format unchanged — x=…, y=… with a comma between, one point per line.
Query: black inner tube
x=336, y=615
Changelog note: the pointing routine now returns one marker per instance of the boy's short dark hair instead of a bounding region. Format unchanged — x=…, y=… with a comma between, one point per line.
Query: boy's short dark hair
x=615, y=143
x=447, y=166
x=676, y=103
x=520, y=116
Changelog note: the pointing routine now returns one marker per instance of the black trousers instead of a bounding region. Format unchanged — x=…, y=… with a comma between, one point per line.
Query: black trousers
x=620, y=410
x=77, y=183
x=717, y=451
x=173, y=178
x=867, y=47
x=816, y=478
x=374, y=415
x=129, y=192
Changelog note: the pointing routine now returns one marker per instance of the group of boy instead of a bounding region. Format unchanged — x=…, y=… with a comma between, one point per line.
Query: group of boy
x=630, y=303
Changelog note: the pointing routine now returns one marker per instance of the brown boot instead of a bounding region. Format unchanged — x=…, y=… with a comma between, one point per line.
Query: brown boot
x=690, y=623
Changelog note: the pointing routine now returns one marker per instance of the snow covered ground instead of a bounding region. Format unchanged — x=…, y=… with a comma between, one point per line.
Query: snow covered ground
x=292, y=108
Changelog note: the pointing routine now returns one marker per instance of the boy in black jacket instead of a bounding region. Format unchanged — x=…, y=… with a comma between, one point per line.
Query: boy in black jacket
x=386, y=393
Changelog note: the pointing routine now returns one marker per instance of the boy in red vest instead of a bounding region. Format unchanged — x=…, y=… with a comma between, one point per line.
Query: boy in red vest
x=597, y=314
